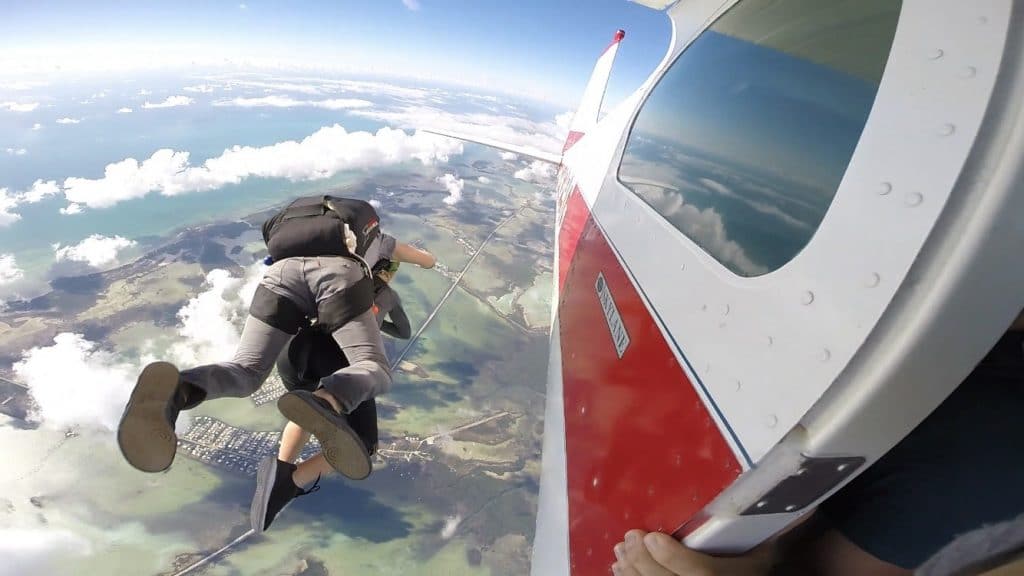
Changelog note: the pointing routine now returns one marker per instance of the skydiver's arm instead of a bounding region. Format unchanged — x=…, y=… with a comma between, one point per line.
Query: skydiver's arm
x=407, y=253
x=397, y=324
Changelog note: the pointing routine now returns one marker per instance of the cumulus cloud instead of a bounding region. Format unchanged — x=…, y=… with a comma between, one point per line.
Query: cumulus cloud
x=74, y=383
x=705, y=226
x=375, y=203
x=211, y=322
x=201, y=88
x=39, y=190
x=412, y=4
x=508, y=155
x=31, y=550
x=19, y=106
x=454, y=185
x=320, y=155
x=96, y=250
x=71, y=209
x=289, y=102
x=170, y=102
x=8, y=203
x=537, y=171
x=125, y=110
x=37, y=126
x=67, y=120
x=9, y=271
x=16, y=151
x=484, y=180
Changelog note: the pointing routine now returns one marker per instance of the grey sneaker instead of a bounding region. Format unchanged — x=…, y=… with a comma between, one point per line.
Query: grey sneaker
x=146, y=432
x=339, y=443
x=274, y=490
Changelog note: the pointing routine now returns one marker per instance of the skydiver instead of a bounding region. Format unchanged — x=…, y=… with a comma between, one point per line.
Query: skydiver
x=320, y=248
x=945, y=500
x=309, y=355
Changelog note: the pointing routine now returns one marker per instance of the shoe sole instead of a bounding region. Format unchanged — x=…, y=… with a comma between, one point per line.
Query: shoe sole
x=265, y=478
x=340, y=445
x=146, y=439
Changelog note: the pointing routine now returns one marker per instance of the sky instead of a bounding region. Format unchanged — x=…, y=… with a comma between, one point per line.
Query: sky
x=543, y=49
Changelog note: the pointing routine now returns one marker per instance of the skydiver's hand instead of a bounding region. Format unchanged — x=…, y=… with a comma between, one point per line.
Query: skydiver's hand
x=657, y=554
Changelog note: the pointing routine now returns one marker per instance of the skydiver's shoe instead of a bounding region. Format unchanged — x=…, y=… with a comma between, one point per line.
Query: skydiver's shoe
x=274, y=490
x=146, y=432
x=343, y=449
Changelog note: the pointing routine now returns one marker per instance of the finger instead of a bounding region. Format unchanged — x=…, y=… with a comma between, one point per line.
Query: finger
x=638, y=558
x=622, y=569
x=675, y=557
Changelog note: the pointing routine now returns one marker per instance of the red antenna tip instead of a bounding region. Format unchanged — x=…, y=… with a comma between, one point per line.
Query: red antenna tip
x=619, y=35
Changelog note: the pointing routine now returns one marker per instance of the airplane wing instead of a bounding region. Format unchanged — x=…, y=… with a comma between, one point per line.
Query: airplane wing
x=527, y=151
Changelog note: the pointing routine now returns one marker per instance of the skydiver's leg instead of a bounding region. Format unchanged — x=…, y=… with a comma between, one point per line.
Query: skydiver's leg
x=279, y=308
x=367, y=374
x=245, y=373
x=146, y=433
x=308, y=471
x=364, y=421
x=293, y=440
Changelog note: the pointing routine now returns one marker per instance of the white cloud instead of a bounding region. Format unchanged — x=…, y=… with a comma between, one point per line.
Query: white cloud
x=320, y=155
x=537, y=171
x=8, y=202
x=484, y=180
x=37, y=126
x=289, y=102
x=9, y=271
x=40, y=189
x=375, y=203
x=508, y=155
x=144, y=92
x=17, y=151
x=76, y=384
x=21, y=85
x=451, y=524
x=19, y=106
x=71, y=209
x=412, y=4
x=454, y=185
x=201, y=88
x=67, y=120
x=545, y=137
x=124, y=110
x=32, y=550
x=564, y=119
x=211, y=322
x=98, y=251
x=170, y=102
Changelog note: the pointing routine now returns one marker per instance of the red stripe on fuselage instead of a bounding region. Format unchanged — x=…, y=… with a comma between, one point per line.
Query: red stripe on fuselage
x=571, y=139
x=576, y=214
x=642, y=449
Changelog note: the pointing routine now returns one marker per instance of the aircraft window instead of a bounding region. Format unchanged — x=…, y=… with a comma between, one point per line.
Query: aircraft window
x=744, y=141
